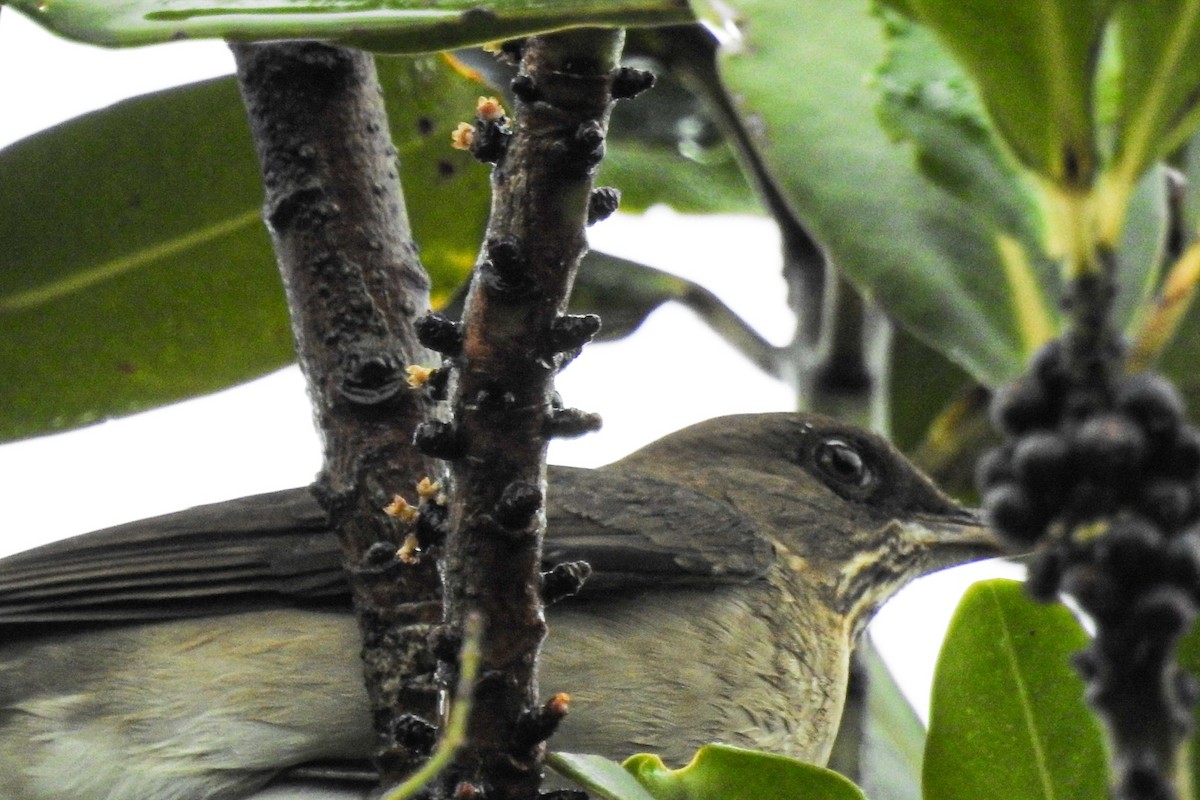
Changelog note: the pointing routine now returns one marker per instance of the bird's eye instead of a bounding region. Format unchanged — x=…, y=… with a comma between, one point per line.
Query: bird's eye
x=842, y=463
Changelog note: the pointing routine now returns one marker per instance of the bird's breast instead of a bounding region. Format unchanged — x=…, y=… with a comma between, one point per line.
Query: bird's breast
x=669, y=671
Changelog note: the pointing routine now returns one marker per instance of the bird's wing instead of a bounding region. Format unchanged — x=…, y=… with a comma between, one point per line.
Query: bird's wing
x=209, y=559
x=641, y=530
x=276, y=548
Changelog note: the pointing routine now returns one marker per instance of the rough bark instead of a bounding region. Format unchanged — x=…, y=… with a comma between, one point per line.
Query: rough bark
x=354, y=287
x=514, y=339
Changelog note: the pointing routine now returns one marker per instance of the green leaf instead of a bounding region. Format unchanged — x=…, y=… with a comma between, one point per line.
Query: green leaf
x=1159, y=104
x=1034, y=64
x=598, y=775
x=926, y=99
x=136, y=270
x=1158, y=100
x=1189, y=659
x=940, y=228
x=398, y=26
x=925, y=254
x=650, y=174
x=1008, y=717
x=921, y=383
x=1143, y=245
x=721, y=772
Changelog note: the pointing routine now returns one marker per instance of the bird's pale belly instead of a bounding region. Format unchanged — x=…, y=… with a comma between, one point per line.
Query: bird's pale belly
x=711, y=665
x=212, y=709
x=192, y=710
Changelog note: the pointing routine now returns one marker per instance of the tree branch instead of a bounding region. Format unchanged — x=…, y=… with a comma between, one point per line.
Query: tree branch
x=513, y=340
x=354, y=288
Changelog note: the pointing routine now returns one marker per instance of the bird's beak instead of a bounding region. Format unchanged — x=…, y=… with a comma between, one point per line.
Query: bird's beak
x=954, y=538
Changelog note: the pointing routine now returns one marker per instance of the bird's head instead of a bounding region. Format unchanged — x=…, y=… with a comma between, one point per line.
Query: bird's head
x=848, y=513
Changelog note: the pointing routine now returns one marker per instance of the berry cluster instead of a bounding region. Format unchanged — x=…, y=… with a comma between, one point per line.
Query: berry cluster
x=1101, y=471
x=1115, y=456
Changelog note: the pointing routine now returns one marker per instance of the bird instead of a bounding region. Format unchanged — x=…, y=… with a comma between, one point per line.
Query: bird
x=734, y=565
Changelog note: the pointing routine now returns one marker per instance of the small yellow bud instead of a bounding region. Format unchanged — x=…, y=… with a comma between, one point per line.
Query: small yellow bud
x=489, y=109
x=462, y=136
x=428, y=490
x=409, y=551
x=400, y=509
x=418, y=376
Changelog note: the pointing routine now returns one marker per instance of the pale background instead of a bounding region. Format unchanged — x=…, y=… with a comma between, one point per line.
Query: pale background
x=259, y=437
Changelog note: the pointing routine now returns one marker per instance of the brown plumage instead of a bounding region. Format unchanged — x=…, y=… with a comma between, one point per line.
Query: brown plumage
x=197, y=655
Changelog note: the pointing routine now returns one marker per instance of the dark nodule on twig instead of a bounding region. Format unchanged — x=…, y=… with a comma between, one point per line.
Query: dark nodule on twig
x=564, y=581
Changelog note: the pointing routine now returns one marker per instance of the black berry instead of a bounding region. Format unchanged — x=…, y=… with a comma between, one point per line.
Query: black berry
x=1183, y=458
x=1040, y=460
x=1152, y=401
x=1109, y=447
x=1011, y=512
x=1022, y=406
x=1168, y=502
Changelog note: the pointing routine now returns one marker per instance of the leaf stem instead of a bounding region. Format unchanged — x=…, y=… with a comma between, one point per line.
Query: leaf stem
x=1072, y=230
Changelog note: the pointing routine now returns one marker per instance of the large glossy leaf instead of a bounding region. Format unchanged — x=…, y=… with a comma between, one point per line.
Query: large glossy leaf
x=721, y=772
x=939, y=228
x=1008, y=717
x=398, y=26
x=926, y=98
x=598, y=775
x=1034, y=64
x=926, y=255
x=717, y=772
x=135, y=269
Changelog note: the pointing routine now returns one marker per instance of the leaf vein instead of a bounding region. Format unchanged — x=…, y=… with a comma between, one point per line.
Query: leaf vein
x=1039, y=754
x=113, y=268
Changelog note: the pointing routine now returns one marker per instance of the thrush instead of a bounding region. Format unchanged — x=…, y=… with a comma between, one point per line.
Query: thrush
x=735, y=563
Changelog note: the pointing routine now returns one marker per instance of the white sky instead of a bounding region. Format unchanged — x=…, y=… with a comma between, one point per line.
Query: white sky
x=671, y=372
